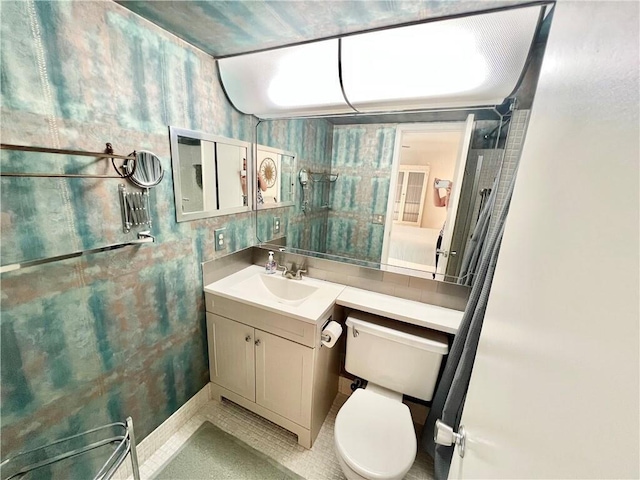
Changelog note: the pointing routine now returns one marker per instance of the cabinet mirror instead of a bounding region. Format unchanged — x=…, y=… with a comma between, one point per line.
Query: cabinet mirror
x=210, y=176
x=275, y=177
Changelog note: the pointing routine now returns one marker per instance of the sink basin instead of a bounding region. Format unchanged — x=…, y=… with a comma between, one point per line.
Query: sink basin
x=290, y=291
x=277, y=288
x=308, y=299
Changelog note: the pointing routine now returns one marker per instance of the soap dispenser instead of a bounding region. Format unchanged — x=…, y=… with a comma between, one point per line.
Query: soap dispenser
x=271, y=265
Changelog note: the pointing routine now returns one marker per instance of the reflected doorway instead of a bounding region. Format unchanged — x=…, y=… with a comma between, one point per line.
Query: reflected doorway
x=428, y=166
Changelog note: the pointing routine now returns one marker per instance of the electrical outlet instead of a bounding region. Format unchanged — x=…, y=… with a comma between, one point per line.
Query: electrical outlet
x=378, y=219
x=276, y=225
x=220, y=238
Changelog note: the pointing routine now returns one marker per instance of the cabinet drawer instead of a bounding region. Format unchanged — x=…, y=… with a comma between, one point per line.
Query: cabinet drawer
x=285, y=327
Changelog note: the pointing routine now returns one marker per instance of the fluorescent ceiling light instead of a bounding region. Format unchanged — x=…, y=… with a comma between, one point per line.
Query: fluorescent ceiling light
x=463, y=62
x=445, y=61
x=300, y=80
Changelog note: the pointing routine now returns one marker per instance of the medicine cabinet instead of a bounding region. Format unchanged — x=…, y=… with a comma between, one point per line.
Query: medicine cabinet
x=211, y=174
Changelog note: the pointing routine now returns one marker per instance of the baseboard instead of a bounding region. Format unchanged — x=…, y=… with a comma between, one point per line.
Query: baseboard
x=152, y=442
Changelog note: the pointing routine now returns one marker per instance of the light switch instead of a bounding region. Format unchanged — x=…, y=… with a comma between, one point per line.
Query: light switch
x=378, y=218
x=220, y=238
x=276, y=225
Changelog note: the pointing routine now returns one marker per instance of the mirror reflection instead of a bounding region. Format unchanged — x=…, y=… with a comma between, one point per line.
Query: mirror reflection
x=147, y=171
x=408, y=197
x=275, y=177
x=210, y=174
x=428, y=163
x=403, y=196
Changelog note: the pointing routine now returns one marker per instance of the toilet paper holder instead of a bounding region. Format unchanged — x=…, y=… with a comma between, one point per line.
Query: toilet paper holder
x=329, y=339
x=323, y=336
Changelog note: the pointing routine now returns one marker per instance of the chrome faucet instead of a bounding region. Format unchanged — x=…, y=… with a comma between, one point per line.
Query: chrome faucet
x=284, y=269
x=292, y=273
x=299, y=273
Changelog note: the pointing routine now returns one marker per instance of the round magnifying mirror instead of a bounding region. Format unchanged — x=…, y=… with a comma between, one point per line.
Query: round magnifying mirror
x=148, y=170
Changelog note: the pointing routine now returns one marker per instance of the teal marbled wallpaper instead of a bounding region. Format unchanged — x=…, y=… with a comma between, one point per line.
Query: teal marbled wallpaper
x=311, y=140
x=362, y=157
x=91, y=340
x=223, y=27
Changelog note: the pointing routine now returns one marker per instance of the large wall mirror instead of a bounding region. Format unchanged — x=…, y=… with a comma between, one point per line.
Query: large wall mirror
x=403, y=195
x=211, y=174
x=415, y=192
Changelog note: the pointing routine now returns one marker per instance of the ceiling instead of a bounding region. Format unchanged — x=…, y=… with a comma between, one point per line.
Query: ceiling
x=222, y=28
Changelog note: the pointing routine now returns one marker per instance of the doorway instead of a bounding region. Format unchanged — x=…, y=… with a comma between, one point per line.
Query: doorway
x=421, y=215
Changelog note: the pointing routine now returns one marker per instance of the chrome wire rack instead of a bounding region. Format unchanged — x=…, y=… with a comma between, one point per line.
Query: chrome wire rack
x=119, y=436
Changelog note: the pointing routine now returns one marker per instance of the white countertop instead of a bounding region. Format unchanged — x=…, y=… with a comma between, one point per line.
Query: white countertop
x=316, y=307
x=409, y=311
x=312, y=310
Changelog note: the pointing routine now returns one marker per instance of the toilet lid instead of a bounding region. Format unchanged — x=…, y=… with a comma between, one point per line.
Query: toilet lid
x=374, y=435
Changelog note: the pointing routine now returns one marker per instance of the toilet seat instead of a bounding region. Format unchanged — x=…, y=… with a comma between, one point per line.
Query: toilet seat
x=374, y=435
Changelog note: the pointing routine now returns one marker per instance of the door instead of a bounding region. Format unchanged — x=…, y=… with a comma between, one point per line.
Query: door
x=554, y=389
x=410, y=192
x=230, y=160
x=397, y=204
x=454, y=200
x=429, y=137
x=231, y=355
x=284, y=371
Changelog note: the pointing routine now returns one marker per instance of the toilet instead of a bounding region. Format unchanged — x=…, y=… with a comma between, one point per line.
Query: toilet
x=374, y=434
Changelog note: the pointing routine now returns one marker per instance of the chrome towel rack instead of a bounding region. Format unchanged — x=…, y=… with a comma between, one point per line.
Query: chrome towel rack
x=324, y=177
x=107, y=154
x=143, y=237
x=138, y=213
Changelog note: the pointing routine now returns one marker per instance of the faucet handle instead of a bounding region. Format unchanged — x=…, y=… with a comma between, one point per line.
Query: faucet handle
x=283, y=268
x=299, y=274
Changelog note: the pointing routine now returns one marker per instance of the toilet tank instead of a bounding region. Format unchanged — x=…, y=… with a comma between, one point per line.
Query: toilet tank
x=395, y=355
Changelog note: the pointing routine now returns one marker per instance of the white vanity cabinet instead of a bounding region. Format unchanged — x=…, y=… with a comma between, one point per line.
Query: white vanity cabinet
x=284, y=371
x=272, y=365
x=232, y=355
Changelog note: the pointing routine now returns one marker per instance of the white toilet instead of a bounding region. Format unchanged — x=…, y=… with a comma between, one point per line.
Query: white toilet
x=374, y=434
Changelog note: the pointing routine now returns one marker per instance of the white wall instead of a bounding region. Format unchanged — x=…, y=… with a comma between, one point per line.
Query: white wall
x=441, y=157
x=554, y=391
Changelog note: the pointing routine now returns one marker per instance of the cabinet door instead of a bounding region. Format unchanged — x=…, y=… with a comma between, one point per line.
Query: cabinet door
x=284, y=371
x=231, y=355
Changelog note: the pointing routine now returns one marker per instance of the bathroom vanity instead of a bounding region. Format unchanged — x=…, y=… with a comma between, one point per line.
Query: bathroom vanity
x=265, y=349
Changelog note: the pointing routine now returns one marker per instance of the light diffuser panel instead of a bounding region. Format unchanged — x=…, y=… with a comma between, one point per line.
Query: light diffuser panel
x=464, y=62
x=292, y=81
x=469, y=61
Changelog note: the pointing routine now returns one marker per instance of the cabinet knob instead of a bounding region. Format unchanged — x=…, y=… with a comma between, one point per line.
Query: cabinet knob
x=257, y=342
x=247, y=338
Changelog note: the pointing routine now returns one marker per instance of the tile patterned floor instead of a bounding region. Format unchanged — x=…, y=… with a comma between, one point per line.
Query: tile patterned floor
x=318, y=463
